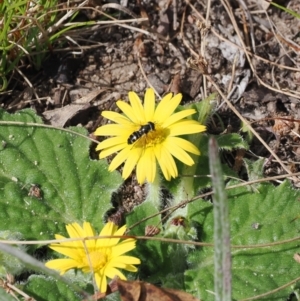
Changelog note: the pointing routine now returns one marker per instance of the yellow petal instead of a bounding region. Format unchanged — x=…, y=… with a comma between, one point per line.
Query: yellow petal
x=120, y=231
x=124, y=247
x=65, y=244
x=180, y=154
x=130, y=268
x=111, y=230
x=101, y=282
x=146, y=167
x=131, y=162
x=166, y=107
x=120, y=158
x=67, y=250
x=111, y=150
x=111, y=272
x=111, y=142
x=185, y=127
x=130, y=259
x=61, y=264
x=129, y=112
x=184, y=144
x=177, y=116
x=108, y=230
x=137, y=107
x=140, y=173
x=58, y=236
x=170, y=163
x=116, y=117
x=122, y=262
x=150, y=164
x=166, y=162
x=75, y=231
x=149, y=104
x=89, y=231
x=112, y=130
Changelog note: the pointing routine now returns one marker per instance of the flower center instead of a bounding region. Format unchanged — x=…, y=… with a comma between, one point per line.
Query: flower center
x=154, y=137
x=96, y=260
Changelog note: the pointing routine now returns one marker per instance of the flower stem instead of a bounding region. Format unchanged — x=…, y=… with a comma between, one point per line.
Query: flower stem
x=154, y=191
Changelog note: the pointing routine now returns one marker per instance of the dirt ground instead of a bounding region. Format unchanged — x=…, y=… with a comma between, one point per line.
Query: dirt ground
x=249, y=49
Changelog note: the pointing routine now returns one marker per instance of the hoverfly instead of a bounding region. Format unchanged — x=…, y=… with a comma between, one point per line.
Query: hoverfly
x=144, y=130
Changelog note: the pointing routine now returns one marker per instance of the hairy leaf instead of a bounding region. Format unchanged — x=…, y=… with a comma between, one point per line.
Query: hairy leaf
x=256, y=218
x=48, y=180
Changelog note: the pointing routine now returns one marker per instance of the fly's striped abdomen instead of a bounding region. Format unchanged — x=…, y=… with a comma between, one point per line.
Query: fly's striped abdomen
x=144, y=130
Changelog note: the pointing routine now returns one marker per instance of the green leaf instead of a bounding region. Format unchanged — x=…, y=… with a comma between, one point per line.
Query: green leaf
x=193, y=179
x=231, y=141
x=255, y=170
x=246, y=132
x=4, y=296
x=169, y=258
x=205, y=108
x=10, y=264
x=151, y=253
x=47, y=288
x=149, y=208
x=73, y=188
x=255, y=218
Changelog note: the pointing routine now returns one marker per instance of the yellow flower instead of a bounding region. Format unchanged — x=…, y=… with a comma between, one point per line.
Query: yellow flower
x=146, y=134
x=103, y=256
